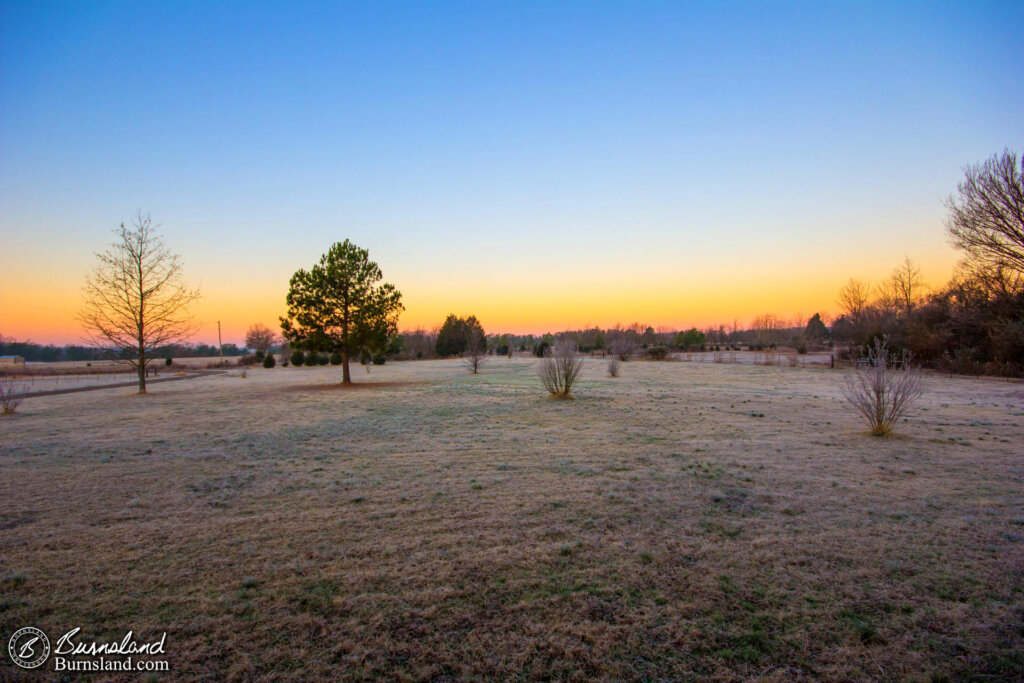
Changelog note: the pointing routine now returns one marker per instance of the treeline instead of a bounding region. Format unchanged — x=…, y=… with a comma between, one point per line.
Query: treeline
x=972, y=325
x=49, y=353
x=458, y=335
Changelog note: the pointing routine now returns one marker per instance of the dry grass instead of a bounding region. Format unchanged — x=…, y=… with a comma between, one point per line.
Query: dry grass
x=683, y=521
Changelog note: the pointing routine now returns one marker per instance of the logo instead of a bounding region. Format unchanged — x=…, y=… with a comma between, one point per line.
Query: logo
x=29, y=647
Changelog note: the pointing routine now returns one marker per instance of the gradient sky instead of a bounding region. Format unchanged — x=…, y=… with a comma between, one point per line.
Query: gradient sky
x=542, y=165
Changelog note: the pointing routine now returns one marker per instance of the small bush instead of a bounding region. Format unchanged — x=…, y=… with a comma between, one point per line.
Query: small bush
x=336, y=358
x=883, y=388
x=541, y=350
x=614, y=365
x=259, y=356
x=167, y=361
x=560, y=369
x=298, y=357
x=379, y=359
x=322, y=359
x=657, y=352
x=268, y=361
x=11, y=393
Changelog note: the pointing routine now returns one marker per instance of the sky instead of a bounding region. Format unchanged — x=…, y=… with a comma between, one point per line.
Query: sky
x=542, y=165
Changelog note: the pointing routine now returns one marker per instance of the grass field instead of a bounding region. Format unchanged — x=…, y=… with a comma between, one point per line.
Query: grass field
x=684, y=521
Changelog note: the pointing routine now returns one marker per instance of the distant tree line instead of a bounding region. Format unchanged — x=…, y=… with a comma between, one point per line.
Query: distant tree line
x=49, y=353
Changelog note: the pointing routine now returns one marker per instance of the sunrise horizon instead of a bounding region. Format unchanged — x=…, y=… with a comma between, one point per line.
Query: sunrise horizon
x=681, y=303
x=543, y=167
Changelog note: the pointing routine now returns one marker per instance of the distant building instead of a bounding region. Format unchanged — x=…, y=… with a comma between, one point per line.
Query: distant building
x=12, y=360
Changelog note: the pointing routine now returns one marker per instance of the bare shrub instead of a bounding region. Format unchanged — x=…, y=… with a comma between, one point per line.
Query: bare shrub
x=883, y=387
x=622, y=348
x=614, y=365
x=560, y=368
x=11, y=395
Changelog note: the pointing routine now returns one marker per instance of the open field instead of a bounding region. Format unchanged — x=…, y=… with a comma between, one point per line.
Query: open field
x=684, y=521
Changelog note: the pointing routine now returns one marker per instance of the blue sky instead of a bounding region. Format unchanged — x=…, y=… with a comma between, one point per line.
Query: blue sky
x=699, y=161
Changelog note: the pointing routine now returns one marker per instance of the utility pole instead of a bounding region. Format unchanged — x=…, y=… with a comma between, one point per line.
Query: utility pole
x=220, y=344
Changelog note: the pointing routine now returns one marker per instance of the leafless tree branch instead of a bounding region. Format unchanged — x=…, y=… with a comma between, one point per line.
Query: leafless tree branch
x=135, y=298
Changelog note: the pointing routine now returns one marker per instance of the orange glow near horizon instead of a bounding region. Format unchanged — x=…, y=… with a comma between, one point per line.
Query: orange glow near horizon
x=47, y=313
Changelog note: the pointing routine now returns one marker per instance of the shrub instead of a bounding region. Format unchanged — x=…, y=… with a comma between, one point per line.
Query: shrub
x=621, y=348
x=801, y=348
x=322, y=359
x=541, y=350
x=560, y=369
x=379, y=359
x=246, y=360
x=11, y=394
x=268, y=361
x=657, y=352
x=298, y=357
x=259, y=355
x=336, y=358
x=614, y=364
x=883, y=388
x=167, y=361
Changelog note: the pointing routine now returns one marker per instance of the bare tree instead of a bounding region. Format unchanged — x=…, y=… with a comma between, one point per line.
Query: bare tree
x=260, y=338
x=907, y=285
x=767, y=329
x=560, y=368
x=475, y=355
x=11, y=395
x=986, y=218
x=853, y=298
x=135, y=299
x=614, y=365
x=884, y=388
x=887, y=298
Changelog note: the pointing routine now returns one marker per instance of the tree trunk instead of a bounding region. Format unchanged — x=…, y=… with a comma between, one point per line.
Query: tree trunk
x=346, y=378
x=142, y=373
